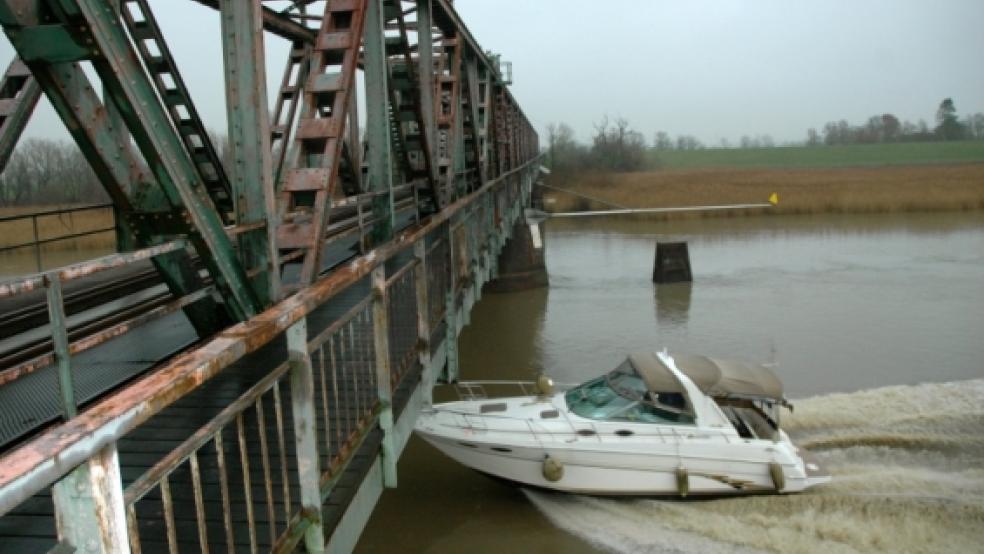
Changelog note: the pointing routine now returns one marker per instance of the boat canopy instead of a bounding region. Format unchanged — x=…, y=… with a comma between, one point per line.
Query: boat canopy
x=712, y=376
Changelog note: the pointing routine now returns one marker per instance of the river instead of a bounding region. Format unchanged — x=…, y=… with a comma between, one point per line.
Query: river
x=876, y=322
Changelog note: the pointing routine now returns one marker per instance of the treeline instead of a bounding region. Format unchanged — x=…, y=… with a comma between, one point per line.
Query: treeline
x=618, y=147
x=614, y=147
x=43, y=171
x=887, y=128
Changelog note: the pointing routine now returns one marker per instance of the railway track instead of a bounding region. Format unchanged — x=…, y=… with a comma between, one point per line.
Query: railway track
x=24, y=316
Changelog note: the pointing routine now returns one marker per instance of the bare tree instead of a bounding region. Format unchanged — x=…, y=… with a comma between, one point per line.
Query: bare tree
x=617, y=147
x=812, y=137
x=662, y=141
x=45, y=172
x=566, y=155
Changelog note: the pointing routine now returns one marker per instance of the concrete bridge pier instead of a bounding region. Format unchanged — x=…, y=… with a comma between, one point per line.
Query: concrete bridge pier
x=521, y=265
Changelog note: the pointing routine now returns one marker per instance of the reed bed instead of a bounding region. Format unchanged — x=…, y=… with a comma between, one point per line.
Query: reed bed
x=53, y=226
x=888, y=189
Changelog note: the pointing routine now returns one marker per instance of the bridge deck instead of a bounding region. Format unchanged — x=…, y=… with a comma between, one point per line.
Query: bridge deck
x=32, y=401
x=31, y=528
x=188, y=444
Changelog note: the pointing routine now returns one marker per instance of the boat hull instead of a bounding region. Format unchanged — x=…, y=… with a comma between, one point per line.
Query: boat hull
x=597, y=472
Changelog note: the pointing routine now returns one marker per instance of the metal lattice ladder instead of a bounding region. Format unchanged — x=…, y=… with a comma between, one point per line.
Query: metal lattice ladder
x=285, y=108
x=149, y=40
x=313, y=174
x=448, y=105
x=405, y=104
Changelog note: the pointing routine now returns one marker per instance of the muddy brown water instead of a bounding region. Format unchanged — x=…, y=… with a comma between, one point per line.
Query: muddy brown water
x=876, y=322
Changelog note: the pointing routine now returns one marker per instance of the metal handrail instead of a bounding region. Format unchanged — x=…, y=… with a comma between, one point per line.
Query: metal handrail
x=42, y=461
x=462, y=388
x=28, y=283
x=62, y=349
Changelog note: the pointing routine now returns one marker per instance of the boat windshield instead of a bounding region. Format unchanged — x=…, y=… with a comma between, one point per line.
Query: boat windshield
x=623, y=396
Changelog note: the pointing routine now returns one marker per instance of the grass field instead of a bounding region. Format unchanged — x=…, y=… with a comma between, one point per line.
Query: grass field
x=858, y=155
x=824, y=190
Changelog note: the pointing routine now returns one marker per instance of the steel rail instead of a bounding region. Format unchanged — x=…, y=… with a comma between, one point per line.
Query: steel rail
x=37, y=464
x=25, y=318
x=90, y=267
x=34, y=349
x=105, y=333
x=27, y=358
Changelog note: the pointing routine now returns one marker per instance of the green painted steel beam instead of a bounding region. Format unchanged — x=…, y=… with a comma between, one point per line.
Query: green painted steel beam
x=251, y=172
x=89, y=507
x=130, y=89
x=384, y=372
x=164, y=74
x=425, y=80
x=458, y=146
x=22, y=91
x=107, y=147
x=378, y=130
x=59, y=342
x=305, y=433
x=277, y=23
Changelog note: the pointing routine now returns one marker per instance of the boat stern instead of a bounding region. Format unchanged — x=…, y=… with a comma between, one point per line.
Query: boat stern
x=816, y=473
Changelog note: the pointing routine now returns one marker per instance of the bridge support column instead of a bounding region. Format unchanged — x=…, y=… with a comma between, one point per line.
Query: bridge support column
x=89, y=508
x=384, y=375
x=59, y=342
x=521, y=264
x=251, y=171
x=423, y=317
x=451, y=340
x=378, y=129
x=451, y=310
x=305, y=423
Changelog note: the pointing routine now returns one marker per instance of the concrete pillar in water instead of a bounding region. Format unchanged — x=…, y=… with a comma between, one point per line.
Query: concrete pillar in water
x=521, y=262
x=672, y=263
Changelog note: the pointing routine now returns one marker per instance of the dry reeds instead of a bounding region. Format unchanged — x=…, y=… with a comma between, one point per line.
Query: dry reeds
x=21, y=231
x=801, y=191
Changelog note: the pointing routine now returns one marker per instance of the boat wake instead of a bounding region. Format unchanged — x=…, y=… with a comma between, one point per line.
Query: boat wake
x=908, y=467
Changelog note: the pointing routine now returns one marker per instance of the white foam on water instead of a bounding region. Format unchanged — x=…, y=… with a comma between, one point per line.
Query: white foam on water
x=908, y=467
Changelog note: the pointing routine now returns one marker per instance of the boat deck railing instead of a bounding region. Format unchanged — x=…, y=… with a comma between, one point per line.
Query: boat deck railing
x=480, y=390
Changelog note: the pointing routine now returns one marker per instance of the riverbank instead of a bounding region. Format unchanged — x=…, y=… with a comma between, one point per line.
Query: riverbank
x=889, y=189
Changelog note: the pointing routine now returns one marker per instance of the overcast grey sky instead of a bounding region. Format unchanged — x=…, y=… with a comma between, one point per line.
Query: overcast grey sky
x=712, y=68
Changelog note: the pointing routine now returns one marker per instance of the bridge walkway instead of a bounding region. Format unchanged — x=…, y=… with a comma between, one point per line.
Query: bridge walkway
x=32, y=401
x=31, y=528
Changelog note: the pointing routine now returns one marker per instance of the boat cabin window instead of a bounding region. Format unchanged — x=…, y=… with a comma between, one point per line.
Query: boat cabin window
x=623, y=396
x=752, y=419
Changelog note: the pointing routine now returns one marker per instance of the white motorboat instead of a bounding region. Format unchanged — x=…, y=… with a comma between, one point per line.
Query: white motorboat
x=658, y=424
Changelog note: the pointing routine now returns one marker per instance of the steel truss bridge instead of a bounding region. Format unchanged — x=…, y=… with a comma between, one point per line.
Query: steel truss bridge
x=246, y=373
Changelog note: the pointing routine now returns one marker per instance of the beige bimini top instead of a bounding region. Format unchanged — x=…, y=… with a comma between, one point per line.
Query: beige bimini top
x=712, y=376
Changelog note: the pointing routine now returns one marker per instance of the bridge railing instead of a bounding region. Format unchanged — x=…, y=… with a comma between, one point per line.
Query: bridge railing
x=67, y=342
x=272, y=456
